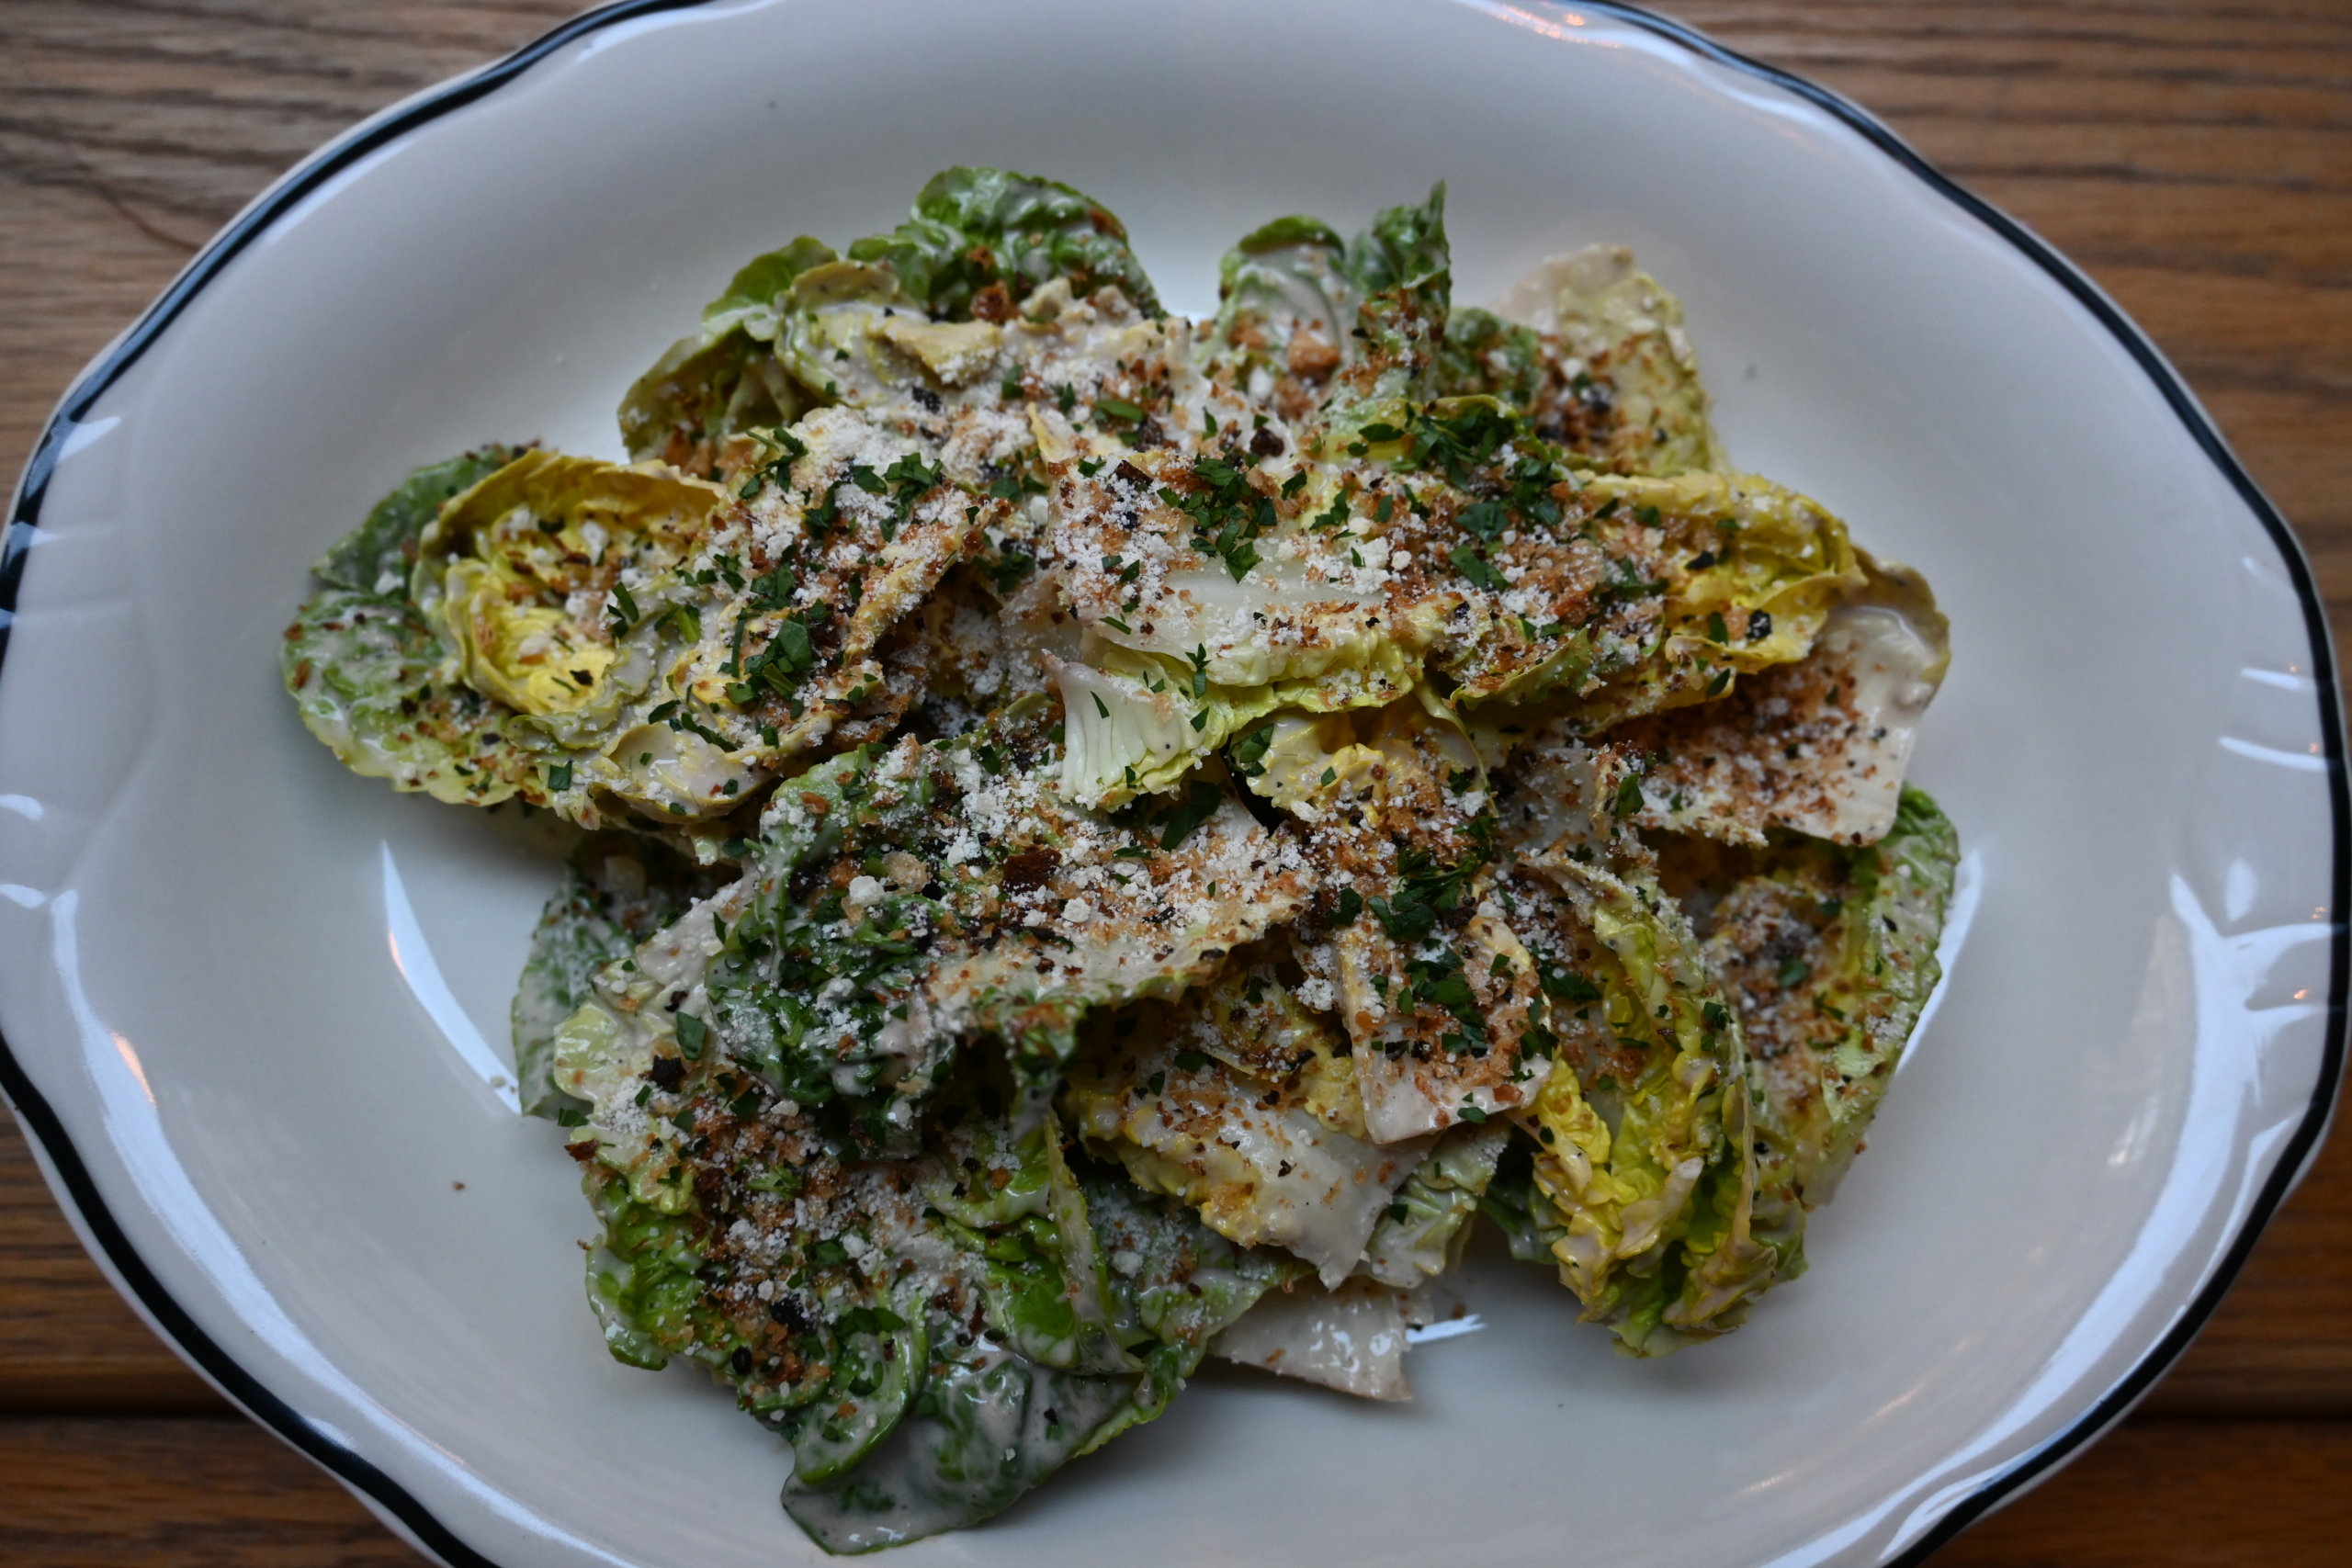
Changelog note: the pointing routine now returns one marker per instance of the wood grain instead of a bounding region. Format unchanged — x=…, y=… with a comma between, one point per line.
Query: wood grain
x=193, y=1493
x=86, y=1493
x=67, y=1342
x=2195, y=156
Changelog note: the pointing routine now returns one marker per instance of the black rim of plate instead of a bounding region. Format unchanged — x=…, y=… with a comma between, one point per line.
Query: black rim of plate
x=392, y=1498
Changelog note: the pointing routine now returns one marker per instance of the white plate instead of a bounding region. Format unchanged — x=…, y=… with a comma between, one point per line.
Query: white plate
x=246, y=995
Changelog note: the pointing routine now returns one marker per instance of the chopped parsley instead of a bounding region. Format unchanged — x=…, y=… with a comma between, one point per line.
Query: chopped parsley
x=1199, y=804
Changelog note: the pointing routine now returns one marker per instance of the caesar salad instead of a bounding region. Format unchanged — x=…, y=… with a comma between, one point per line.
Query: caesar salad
x=1108, y=840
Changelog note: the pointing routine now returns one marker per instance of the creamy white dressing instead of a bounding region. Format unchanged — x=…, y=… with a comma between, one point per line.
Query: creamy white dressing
x=1351, y=1338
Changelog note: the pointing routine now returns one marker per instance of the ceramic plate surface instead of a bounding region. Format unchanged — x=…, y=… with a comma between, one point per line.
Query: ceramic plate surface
x=255, y=1006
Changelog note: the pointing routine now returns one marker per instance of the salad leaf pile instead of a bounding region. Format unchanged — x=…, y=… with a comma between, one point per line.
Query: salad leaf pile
x=1109, y=838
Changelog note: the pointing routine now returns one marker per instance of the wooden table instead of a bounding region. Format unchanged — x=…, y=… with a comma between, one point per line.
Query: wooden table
x=2194, y=156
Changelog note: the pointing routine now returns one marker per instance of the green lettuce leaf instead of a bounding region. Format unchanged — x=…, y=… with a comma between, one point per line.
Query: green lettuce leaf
x=1593, y=353
x=1267, y=1159
x=1435, y=988
x=1169, y=1279
x=1139, y=724
x=822, y=993
x=372, y=675
x=1443, y=1014
x=991, y=1424
x=1485, y=357
x=376, y=557
x=1706, y=578
x=1034, y=1250
x=1067, y=910
x=751, y=300
x=1829, y=953
x=1816, y=745
x=725, y=380
x=375, y=684
x=896, y=903
x=1404, y=268
x=1427, y=1225
x=1250, y=1018
x=1287, y=299
x=617, y=609
x=853, y=334
x=500, y=567
x=930, y=1337
x=978, y=230
x=1177, y=567
x=1345, y=334
x=985, y=1430
x=1530, y=1224
x=1675, y=1195
x=618, y=890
